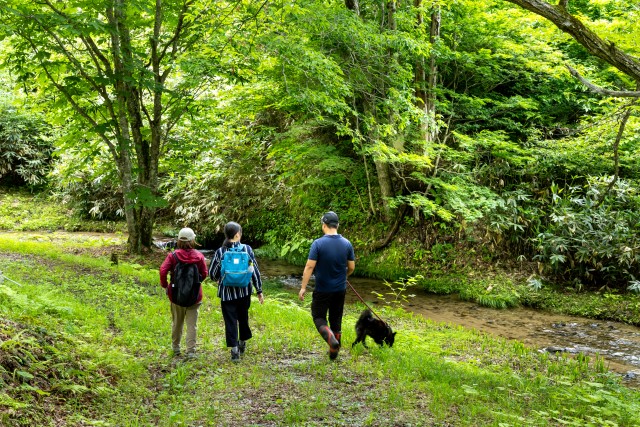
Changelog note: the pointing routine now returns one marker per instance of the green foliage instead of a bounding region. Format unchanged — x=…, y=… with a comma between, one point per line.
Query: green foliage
x=591, y=241
x=26, y=147
x=396, y=293
x=90, y=189
x=276, y=114
x=505, y=75
x=39, y=366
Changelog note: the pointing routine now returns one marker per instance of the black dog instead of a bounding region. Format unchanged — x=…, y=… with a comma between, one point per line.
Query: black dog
x=380, y=331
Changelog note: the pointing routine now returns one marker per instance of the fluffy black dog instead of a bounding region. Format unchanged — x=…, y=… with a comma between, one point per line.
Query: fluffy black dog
x=380, y=331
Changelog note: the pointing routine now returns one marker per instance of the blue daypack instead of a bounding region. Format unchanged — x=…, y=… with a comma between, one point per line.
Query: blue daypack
x=235, y=268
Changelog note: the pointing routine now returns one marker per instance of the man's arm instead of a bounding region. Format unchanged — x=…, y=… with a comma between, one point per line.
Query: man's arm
x=306, y=276
x=351, y=266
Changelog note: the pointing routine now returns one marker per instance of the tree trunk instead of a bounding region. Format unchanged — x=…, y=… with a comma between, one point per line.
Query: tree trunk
x=430, y=104
x=353, y=5
x=386, y=185
x=140, y=218
x=420, y=78
x=383, y=170
x=426, y=81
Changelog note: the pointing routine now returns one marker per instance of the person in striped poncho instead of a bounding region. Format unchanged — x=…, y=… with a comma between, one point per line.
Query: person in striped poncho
x=235, y=301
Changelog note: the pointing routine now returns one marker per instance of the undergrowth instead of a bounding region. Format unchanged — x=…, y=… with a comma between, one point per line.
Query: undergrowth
x=23, y=211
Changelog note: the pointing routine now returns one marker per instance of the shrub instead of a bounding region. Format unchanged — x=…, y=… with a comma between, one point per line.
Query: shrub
x=592, y=235
x=25, y=147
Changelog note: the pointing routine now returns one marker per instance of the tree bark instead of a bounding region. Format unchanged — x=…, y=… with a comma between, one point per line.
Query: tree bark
x=602, y=91
x=420, y=77
x=386, y=185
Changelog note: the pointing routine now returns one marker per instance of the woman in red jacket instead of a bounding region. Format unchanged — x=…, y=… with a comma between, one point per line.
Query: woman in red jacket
x=185, y=254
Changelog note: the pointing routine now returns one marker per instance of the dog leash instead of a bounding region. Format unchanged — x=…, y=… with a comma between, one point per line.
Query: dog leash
x=363, y=301
x=3, y=278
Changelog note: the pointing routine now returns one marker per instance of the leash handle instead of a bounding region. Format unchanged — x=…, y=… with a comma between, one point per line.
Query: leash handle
x=363, y=301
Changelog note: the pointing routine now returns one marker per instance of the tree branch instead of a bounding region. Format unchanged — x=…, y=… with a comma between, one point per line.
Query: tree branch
x=616, y=146
x=394, y=230
x=571, y=25
x=616, y=156
x=603, y=91
x=73, y=60
x=75, y=105
x=88, y=41
x=173, y=42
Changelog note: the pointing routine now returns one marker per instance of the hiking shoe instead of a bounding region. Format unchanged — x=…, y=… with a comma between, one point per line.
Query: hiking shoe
x=242, y=346
x=330, y=338
x=191, y=355
x=176, y=352
x=334, y=350
x=235, y=354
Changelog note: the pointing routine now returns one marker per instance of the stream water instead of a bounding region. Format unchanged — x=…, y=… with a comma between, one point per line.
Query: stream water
x=617, y=343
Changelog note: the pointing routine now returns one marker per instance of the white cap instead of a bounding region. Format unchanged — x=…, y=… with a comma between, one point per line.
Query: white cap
x=186, y=235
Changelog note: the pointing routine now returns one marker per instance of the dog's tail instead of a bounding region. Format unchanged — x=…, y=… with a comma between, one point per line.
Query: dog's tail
x=365, y=316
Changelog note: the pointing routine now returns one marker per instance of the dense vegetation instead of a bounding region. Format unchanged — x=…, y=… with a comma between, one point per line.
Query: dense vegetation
x=433, y=130
x=457, y=147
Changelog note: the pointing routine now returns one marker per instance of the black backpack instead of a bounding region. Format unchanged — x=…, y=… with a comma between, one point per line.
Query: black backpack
x=185, y=283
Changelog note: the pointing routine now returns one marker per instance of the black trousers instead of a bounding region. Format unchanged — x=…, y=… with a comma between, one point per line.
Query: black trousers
x=331, y=303
x=236, y=319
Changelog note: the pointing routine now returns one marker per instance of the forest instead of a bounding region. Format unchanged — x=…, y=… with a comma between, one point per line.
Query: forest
x=488, y=149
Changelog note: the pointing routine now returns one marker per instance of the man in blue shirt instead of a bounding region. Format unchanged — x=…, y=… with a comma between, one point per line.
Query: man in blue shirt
x=332, y=259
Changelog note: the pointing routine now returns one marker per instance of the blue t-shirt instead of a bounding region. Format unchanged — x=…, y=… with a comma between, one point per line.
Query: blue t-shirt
x=331, y=253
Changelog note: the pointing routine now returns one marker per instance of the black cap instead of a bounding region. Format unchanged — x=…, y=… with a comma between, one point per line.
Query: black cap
x=330, y=218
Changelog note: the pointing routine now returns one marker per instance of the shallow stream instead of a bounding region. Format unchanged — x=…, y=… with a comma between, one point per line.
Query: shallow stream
x=617, y=343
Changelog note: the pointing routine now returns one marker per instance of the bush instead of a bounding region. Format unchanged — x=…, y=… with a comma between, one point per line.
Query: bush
x=25, y=147
x=92, y=194
x=596, y=242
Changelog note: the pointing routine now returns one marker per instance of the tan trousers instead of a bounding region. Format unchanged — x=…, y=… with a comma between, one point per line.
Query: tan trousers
x=178, y=317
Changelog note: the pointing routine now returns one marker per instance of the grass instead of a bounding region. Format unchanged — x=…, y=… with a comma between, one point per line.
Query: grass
x=501, y=291
x=84, y=342
x=23, y=211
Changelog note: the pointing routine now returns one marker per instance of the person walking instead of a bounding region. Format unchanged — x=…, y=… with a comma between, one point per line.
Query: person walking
x=332, y=260
x=185, y=254
x=235, y=298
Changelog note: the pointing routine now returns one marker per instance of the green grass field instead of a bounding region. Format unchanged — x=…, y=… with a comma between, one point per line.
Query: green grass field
x=86, y=343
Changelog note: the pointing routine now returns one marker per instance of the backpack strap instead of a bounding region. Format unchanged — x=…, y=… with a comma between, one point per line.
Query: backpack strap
x=173, y=270
x=241, y=247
